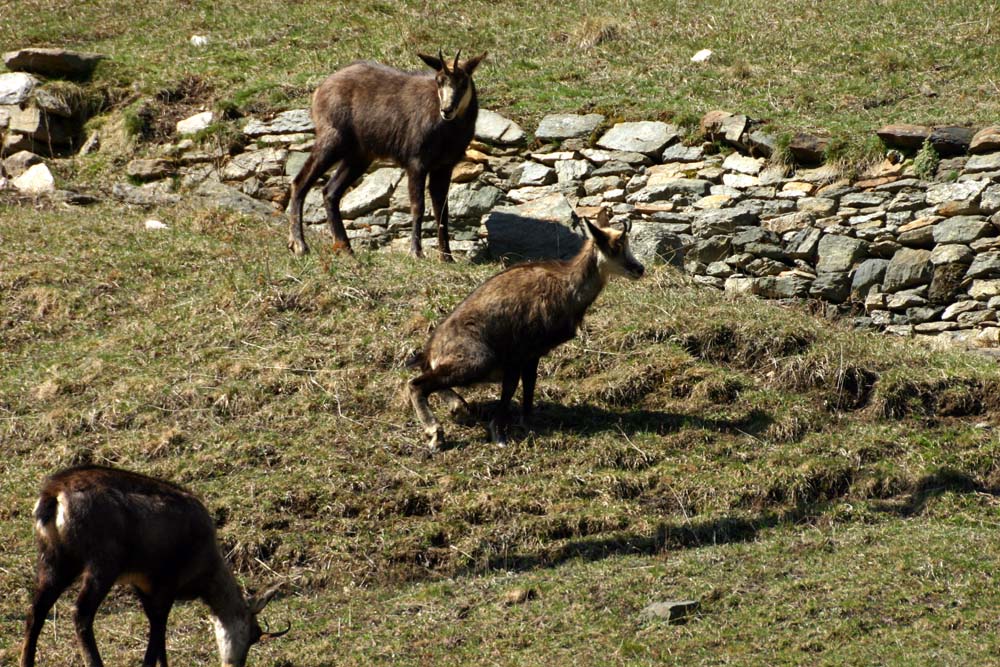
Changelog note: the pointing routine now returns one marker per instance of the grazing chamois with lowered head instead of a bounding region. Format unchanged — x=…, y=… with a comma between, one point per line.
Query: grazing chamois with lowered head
x=501, y=330
x=108, y=526
x=423, y=121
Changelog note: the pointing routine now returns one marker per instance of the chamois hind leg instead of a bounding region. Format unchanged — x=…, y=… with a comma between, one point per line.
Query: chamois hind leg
x=157, y=608
x=342, y=178
x=529, y=374
x=95, y=587
x=416, y=179
x=323, y=156
x=442, y=379
x=50, y=584
x=498, y=426
x=438, y=186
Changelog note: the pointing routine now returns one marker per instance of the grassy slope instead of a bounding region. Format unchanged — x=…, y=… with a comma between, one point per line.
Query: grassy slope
x=842, y=66
x=686, y=446
x=827, y=495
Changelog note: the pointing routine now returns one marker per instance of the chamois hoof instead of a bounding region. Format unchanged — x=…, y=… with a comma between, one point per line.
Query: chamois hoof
x=297, y=247
x=498, y=434
x=435, y=439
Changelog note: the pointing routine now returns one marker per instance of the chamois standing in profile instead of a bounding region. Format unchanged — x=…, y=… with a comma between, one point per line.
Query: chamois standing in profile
x=501, y=330
x=365, y=111
x=112, y=526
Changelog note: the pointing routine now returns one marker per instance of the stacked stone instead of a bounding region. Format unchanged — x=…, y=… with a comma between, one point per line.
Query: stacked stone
x=900, y=253
x=32, y=118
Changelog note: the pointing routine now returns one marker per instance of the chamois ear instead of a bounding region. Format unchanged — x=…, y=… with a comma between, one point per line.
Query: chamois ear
x=259, y=601
x=433, y=62
x=596, y=233
x=472, y=63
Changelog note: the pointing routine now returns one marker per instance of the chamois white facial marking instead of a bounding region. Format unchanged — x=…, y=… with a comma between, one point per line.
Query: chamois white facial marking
x=453, y=97
x=233, y=641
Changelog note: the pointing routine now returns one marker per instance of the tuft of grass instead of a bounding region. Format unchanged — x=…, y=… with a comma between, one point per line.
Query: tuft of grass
x=926, y=161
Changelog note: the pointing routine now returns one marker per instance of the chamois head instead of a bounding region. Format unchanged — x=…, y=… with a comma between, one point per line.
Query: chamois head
x=454, y=82
x=613, y=254
x=235, y=636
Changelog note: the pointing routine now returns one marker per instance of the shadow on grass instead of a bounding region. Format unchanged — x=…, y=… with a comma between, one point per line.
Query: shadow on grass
x=589, y=420
x=931, y=486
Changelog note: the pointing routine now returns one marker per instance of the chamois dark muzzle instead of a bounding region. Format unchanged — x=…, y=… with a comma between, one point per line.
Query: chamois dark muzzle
x=634, y=269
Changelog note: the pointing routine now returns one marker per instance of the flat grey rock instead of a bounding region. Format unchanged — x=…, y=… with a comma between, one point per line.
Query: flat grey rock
x=493, y=128
x=52, y=62
x=560, y=126
x=288, y=122
x=646, y=137
x=16, y=87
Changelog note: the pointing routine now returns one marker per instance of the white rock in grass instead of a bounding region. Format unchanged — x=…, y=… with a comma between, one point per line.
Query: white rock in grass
x=154, y=224
x=35, y=181
x=199, y=40
x=702, y=56
x=195, y=123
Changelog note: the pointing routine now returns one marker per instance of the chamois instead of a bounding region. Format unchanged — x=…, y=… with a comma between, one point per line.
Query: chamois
x=501, y=330
x=365, y=111
x=110, y=526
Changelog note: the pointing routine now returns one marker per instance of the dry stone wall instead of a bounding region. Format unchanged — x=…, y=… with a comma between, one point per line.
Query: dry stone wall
x=893, y=251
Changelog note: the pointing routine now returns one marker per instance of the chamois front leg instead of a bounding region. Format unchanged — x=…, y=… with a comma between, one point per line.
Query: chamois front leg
x=416, y=180
x=498, y=426
x=323, y=156
x=95, y=587
x=420, y=388
x=157, y=608
x=438, y=186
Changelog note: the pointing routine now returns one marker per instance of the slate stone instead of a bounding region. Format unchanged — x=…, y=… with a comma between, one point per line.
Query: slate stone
x=689, y=187
x=533, y=173
x=743, y=164
x=709, y=250
x=984, y=290
x=808, y=148
x=986, y=140
x=263, y=162
x=682, y=153
x=908, y=268
x=868, y=275
x=148, y=195
x=59, y=63
x=946, y=283
x=556, y=127
x=903, y=135
x=839, y=253
x=646, y=137
x=803, y=244
x=493, y=128
x=652, y=243
x=292, y=121
x=951, y=140
x=374, y=192
x=722, y=221
x=470, y=200
x=832, y=287
x=673, y=612
x=783, y=286
x=951, y=253
x=985, y=265
x=572, y=170
x=222, y=196
x=962, y=229
x=151, y=169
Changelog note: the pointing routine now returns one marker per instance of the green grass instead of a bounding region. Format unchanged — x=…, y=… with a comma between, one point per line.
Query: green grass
x=841, y=67
x=826, y=494
x=829, y=496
